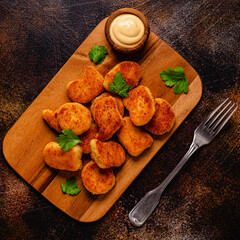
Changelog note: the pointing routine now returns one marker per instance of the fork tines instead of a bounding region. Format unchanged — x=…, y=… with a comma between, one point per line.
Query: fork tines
x=219, y=117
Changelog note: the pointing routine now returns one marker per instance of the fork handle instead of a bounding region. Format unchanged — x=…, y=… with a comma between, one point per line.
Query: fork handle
x=143, y=209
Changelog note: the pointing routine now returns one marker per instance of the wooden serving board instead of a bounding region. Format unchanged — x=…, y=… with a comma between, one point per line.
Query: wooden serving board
x=24, y=143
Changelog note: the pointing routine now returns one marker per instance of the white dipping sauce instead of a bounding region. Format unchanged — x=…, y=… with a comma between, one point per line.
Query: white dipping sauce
x=126, y=30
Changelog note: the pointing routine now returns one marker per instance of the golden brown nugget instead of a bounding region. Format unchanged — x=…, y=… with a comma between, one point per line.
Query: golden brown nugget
x=74, y=116
x=97, y=180
x=133, y=138
x=51, y=118
x=118, y=99
x=107, y=117
x=59, y=159
x=87, y=87
x=130, y=71
x=140, y=104
x=87, y=137
x=107, y=154
x=163, y=119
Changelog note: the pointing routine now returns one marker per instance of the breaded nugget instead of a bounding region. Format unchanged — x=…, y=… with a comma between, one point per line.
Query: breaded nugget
x=118, y=99
x=107, y=154
x=87, y=87
x=51, y=118
x=87, y=137
x=133, y=138
x=140, y=105
x=130, y=71
x=107, y=117
x=74, y=116
x=97, y=180
x=59, y=159
x=163, y=119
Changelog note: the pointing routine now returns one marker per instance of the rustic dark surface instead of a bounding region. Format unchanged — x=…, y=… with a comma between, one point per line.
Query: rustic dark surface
x=37, y=38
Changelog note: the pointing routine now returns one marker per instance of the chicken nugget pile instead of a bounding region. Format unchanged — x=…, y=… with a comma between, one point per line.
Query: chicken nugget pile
x=97, y=125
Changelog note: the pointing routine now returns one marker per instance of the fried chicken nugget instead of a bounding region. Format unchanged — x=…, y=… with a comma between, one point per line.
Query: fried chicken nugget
x=107, y=117
x=87, y=87
x=107, y=154
x=118, y=99
x=133, y=138
x=59, y=159
x=97, y=180
x=74, y=116
x=130, y=71
x=87, y=137
x=51, y=118
x=140, y=105
x=163, y=119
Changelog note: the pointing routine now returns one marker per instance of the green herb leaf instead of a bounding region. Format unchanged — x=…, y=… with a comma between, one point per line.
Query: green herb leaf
x=70, y=187
x=68, y=139
x=176, y=76
x=120, y=87
x=181, y=86
x=97, y=54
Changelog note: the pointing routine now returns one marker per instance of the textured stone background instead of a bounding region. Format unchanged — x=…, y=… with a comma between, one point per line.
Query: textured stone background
x=37, y=38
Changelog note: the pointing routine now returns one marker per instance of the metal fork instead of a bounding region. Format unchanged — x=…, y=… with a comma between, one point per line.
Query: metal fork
x=203, y=135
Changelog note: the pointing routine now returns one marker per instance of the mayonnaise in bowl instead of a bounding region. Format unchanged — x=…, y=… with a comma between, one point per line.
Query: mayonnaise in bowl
x=127, y=30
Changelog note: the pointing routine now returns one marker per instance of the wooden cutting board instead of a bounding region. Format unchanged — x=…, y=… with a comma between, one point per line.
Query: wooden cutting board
x=24, y=143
